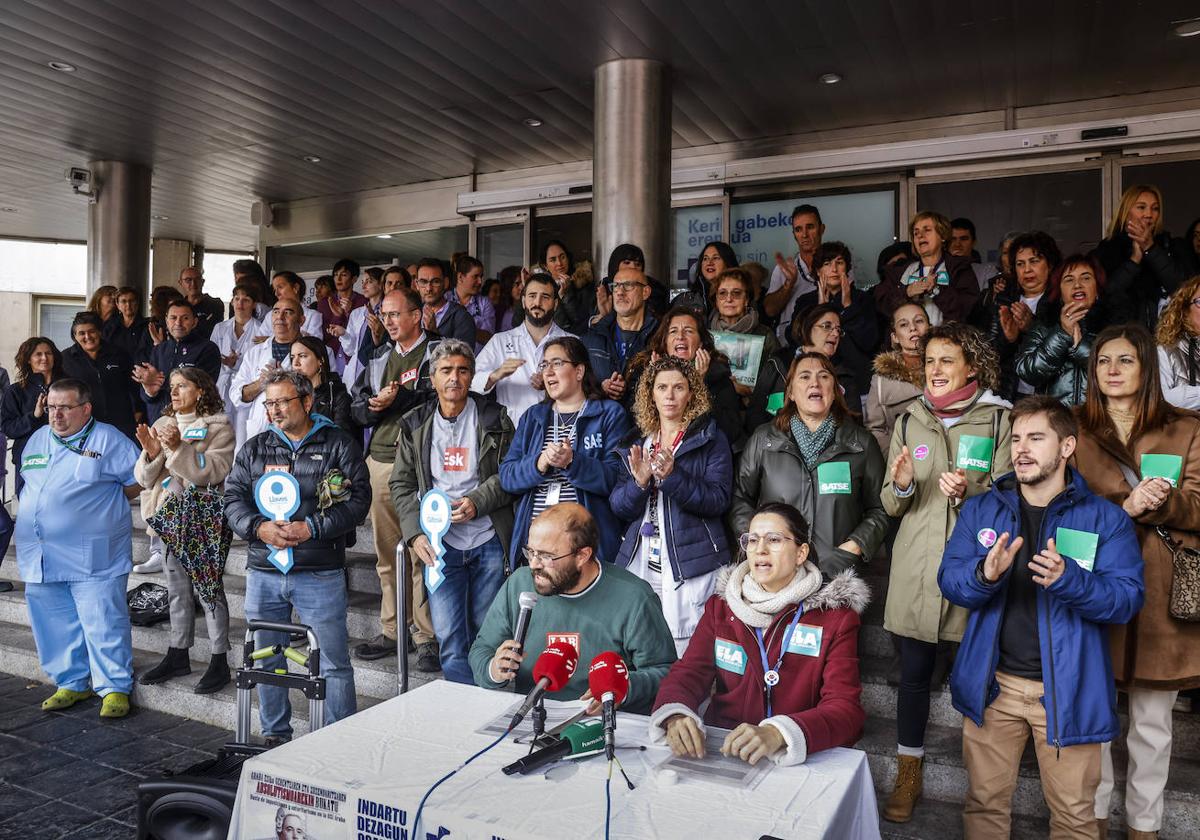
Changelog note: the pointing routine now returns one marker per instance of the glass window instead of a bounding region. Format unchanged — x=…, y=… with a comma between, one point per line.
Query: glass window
x=572, y=229
x=1180, y=184
x=501, y=246
x=218, y=272
x=694, y=228
x=1066, y=205
x=54, y=318
x=316, y=258
x=864, y=221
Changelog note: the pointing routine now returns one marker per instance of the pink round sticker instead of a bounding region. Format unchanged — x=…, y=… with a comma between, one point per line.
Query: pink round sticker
x=986, y=537
x=921, y=452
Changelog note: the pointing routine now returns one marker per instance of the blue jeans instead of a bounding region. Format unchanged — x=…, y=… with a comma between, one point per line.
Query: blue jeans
x=320, y=602
x=473, y=578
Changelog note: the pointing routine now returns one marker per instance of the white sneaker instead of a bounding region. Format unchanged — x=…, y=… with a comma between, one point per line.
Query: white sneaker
x=154, y=564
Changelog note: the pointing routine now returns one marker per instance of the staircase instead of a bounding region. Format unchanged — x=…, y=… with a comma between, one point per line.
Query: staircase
x=939, y=815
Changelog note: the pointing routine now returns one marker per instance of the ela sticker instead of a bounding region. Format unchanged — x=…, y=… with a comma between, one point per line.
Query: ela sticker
x=730, y=656
x=921, y=452
x=806, y=640
x=986, y=537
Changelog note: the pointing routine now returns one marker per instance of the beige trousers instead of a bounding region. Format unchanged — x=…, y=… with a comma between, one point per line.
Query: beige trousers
x=1149, y=744
x=386, y=525
x=992, y=754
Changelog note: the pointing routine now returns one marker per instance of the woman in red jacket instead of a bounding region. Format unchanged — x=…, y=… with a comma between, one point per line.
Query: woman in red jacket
x=776, y=650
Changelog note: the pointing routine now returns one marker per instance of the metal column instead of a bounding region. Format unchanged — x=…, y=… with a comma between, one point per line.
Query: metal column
x=631, y=166
x=119, y=225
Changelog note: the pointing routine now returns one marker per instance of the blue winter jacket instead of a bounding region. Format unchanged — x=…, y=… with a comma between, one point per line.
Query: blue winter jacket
x=1080, y=699
x=696, y=496
x=594, y=469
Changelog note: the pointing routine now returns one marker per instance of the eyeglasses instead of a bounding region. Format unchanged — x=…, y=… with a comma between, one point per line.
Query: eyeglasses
x=830, y=327
x=1196, y=301
x=61, y=409
x=749, y=542
x=270, y=404
x=731, y=294
x=626, y=286
x=427, y=281
x=556, y=364
x=396, y=313
x=541, y=558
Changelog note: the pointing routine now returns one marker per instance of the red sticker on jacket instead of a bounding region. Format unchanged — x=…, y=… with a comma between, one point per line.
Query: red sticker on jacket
x=570, y=638
x=408, y=376
x=454, y=459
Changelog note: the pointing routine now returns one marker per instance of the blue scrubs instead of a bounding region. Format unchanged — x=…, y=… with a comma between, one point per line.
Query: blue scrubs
x=75, y=551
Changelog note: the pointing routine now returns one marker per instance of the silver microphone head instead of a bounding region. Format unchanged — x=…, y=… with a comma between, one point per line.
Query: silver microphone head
x=528, y=600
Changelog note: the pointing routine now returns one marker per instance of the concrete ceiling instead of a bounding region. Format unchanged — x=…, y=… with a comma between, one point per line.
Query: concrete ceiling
x=224, y=99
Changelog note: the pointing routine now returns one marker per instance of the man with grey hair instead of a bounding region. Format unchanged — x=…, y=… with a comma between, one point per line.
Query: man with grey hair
x=335, y=493
x=455, y=444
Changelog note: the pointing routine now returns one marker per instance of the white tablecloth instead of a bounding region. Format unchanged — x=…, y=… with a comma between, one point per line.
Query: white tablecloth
x=362, y=779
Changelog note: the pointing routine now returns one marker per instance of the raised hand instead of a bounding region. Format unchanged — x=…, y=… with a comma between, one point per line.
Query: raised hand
x=788, y=267
x=702, y=361
x=953, y=484
x=902, y=470
x=148, y=441
x=1149, y=494
x=1000, y=559
x=639, y=466
x=1008, y=324
x=1047, y=564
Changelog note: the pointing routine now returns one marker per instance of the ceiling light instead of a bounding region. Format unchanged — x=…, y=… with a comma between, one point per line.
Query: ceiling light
x=61, y=66
x=829, y=79
x=8, y=209
x=383, y=236
x=160, y=217
x=312, y=158
x=533, y=122
x=1186, y=28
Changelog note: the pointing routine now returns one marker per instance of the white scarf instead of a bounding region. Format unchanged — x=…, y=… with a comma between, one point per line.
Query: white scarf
x=756, y=606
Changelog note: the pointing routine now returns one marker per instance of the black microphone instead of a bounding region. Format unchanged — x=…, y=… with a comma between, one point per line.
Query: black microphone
x=578, y=739
x=527, y=601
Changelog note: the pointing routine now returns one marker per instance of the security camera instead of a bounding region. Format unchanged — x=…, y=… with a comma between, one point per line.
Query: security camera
x=80, y=180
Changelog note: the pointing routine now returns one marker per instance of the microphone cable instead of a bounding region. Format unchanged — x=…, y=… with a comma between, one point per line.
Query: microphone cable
x=608, y=793
x=421, y=806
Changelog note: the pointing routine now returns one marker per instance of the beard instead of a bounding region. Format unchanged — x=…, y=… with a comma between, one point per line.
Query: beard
x=1045, y=471
x=553, y=584
x=541, y=321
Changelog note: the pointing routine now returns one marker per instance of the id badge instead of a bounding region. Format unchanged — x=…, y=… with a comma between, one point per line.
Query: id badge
x=654, y=550
x=553, y=492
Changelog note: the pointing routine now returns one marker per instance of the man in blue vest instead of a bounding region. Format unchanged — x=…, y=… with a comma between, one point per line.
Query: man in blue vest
x=75, y=550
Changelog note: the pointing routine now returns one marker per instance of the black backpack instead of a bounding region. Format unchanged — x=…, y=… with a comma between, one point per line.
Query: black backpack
x=148, y=604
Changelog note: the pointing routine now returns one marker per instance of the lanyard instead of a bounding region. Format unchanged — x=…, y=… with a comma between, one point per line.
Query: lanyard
x=574, y=424
x=78, y=448
x=771, y=675
x=933, y=272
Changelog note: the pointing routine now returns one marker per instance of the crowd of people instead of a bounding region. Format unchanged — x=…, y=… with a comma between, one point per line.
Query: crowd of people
x=1014, y=447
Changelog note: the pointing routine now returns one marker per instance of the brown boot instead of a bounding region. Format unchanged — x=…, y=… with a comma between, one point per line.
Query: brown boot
x=1102, y=829
x=1134, y=834
x=899, y=806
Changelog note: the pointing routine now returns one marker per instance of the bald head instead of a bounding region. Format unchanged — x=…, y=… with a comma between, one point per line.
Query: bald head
x=569, y=522
x=630, y=290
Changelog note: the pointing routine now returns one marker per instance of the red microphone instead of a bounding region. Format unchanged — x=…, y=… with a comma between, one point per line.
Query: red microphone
x=551, y=672
x=608, y=680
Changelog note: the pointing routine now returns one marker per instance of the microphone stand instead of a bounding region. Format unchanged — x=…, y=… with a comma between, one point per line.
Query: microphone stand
x=538, y=718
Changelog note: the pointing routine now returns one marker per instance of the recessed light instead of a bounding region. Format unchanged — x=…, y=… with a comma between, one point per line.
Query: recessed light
x=383, y=236
x=61, y=66
x=1186, y=28
x=533, y=122
x=8, y=209
x=312, y=159
x=160, y=217
x=829, y=79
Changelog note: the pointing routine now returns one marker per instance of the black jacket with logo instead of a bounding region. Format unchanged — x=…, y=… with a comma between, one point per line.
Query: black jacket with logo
x=193, y=351
x=325, y=448
x=109, y=376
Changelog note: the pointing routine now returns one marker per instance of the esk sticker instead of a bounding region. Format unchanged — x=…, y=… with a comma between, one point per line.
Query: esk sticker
x=986, y=537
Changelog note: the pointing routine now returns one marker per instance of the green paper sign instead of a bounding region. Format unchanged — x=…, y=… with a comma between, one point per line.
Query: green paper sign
x=1162, y=466
x=1080, y=546
x=975, y=453
x=834, y=477
x=774, y=403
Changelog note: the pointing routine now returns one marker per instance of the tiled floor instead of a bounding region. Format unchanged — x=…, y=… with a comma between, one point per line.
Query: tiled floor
x=71, y=775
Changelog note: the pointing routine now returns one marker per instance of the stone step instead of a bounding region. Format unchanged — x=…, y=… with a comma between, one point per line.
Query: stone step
x=943, y=820
x=19, y=657
x=945, y=778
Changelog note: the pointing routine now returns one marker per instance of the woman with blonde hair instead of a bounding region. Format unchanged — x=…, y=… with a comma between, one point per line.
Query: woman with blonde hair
x=1138, y=257
x=680, y=471
x=1178, y=338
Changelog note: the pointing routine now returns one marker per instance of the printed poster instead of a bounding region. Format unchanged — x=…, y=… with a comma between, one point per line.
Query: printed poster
x=745, y=354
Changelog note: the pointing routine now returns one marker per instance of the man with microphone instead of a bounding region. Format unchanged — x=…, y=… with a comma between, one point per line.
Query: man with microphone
x=593, y=606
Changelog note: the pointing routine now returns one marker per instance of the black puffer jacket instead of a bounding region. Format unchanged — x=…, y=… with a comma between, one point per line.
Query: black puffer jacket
x=333, y=401
x=1047, y=359
x=325, y=448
